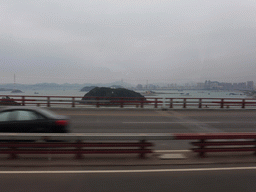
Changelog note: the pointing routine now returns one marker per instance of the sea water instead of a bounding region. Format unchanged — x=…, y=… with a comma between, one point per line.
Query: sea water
x=75, y=93
x=197, y=94
x=157, y=94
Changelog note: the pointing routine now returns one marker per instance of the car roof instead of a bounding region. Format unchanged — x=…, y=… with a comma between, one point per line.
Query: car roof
x=42, y=111
x=19, y=107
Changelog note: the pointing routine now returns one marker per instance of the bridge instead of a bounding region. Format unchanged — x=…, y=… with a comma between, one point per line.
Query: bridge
x=126, y=102
x=161, y=123
x=153, y=125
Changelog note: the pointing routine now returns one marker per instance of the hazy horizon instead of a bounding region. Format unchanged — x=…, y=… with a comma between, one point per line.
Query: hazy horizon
x=137, y=42
x=120, y=83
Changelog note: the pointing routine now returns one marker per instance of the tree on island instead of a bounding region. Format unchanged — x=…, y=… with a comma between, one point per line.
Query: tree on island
x=110, y=93
x=8, y=101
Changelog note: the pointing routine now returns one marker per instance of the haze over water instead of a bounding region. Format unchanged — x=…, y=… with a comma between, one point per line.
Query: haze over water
x=168, y=94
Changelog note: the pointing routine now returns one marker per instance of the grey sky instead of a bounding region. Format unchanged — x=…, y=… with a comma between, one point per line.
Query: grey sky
x=97, y=41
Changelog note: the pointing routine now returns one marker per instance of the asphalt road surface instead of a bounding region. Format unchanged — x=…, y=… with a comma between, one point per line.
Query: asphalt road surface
x=235, y=179
x=157, y=121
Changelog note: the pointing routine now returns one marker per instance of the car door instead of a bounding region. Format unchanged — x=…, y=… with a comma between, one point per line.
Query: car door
x=28, y=121
x=5, y=121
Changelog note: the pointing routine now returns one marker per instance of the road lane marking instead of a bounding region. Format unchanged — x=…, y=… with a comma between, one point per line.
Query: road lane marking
x=114, y=115
x=130, y=171
x=169, y=122
x=171, y=151
x=196, y=125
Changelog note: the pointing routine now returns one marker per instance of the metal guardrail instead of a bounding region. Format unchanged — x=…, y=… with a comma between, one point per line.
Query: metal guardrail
x=95, y=143
x=149, y=102
x=85, y=136
x=14, y=144
x=220, y=142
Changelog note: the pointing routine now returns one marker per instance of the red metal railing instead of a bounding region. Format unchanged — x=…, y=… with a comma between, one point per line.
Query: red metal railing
x=107, y=143
x=220, y=142
x=78, y=148
x=140, y=102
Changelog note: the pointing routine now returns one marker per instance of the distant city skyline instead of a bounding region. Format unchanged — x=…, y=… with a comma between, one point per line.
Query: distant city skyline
x=207, y=84
x=23, y=80
x=123, y=81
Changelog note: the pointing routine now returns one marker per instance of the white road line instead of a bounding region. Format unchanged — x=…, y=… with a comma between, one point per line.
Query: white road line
x=171, y=122
x=194, y=125
x=130, y=171
x=171, y=151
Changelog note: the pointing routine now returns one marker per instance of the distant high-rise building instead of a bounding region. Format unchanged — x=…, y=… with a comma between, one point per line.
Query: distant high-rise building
x=139, y=86
x=235, y=86
x=200, y=86
x=249, y=85
x=241, y=86
x=151, y=86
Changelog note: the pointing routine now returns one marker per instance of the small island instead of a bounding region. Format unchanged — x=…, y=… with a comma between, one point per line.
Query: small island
x=16, y=91
x=111, y=94
x=8, y=101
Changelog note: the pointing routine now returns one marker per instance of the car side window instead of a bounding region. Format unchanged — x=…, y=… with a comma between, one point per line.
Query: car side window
x=27, y=116
x=4, y=116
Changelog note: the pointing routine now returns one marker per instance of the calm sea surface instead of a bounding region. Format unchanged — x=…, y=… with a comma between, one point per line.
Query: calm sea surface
x=161, y=94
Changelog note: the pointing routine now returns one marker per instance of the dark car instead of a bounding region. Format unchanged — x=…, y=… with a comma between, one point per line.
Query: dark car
x=32, y=120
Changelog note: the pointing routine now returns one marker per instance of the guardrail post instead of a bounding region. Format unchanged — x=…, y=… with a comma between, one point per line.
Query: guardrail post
x=142, y=102
x=78, y=150
x=13, y=151
x=171, y=103
x=222, y=103
x=142, y=148
x=122, y=103
x=73, y=101
x=155, y=102
x=201, y=154
x=48, y=102
x=255, y=147
x=184, y=103
x=97, y=102
x=243, y=103
x=23, y=100
x=200, y=103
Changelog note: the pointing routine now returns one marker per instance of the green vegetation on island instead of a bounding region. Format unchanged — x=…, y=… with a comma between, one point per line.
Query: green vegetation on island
x=16, y=91
x=110, y=93
x=8, y=101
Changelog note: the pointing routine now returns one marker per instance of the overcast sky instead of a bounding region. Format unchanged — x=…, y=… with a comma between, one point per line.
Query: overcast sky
x=98, y=41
